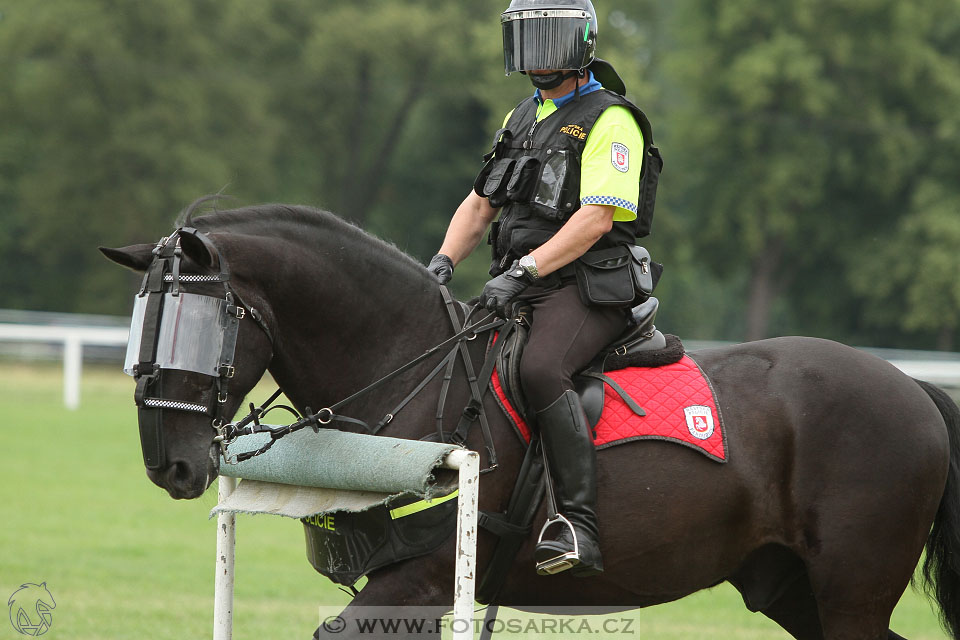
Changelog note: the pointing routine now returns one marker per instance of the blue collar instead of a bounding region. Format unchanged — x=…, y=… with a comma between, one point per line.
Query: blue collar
x=591, y=86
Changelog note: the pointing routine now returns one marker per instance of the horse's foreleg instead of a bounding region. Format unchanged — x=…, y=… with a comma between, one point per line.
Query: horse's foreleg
x=406, y=600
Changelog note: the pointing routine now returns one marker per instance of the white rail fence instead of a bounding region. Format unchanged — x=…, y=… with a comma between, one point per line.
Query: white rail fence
x=933, y=366
x=72, y=339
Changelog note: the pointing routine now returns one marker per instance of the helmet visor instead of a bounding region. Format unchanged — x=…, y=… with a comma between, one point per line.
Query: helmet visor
x=554, y=39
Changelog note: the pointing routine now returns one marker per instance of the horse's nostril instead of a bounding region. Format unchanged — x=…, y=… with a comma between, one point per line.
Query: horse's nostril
x=182, y=475
x=179, y=476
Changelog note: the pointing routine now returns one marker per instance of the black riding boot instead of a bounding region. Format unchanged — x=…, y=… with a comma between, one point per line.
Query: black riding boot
x=572, y=459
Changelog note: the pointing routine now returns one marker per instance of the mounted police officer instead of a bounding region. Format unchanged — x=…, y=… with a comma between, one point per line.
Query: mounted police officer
x=566, y=176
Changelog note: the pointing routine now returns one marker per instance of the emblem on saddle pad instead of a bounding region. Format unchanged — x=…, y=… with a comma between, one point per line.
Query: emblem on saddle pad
x=699, y=421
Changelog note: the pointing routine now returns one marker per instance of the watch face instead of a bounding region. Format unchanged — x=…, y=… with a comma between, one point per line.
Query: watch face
x=530, y=264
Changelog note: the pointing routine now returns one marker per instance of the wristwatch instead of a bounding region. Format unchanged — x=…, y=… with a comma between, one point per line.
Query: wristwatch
x=530, y=265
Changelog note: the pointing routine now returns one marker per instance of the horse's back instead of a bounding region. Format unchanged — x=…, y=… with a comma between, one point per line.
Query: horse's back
x=828, y=447
x=846, y=455
x=825, y=396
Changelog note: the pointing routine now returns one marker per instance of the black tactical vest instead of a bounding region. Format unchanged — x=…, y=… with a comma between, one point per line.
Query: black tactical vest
x=533, y=172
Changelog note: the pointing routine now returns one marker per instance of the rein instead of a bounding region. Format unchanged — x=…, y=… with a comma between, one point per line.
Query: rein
x=250, y=424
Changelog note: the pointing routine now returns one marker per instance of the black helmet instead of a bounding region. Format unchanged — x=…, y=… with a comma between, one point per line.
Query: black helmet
x=549, y=34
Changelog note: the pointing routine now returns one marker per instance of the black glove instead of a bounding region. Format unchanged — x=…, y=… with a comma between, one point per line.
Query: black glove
x=499, y=292
x=441, y=266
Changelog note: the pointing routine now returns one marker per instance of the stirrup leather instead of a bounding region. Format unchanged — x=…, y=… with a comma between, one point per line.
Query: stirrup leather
x=563, y=561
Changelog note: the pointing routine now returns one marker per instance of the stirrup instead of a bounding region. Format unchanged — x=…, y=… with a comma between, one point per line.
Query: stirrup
x=563, y=561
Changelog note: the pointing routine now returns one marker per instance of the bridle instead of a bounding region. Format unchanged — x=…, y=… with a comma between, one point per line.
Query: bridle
x=160, y=307
x=160, y=294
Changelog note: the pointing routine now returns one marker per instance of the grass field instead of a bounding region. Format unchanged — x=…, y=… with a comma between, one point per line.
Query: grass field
x=123, y=560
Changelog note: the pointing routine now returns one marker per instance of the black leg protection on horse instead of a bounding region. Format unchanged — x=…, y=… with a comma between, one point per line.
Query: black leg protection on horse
x=572, y=459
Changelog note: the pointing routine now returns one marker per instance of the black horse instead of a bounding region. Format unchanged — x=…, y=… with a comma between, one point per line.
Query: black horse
x=840, y=469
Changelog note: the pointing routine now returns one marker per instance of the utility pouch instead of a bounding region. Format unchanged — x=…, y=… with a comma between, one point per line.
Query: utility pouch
x=523, y=241
x=487, y=183
x=644, y=271
x=494, y=187
x=523, y=178
x=500, y=139
x=605, y=277
x=494, y=234
x=648, y=192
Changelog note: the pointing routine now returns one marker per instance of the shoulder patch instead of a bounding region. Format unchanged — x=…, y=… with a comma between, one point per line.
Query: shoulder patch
x=620, y=157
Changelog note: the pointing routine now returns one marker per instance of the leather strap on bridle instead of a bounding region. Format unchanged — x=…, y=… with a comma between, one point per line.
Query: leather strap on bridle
x=474, y=408
x=149, y=398
x=459, y=436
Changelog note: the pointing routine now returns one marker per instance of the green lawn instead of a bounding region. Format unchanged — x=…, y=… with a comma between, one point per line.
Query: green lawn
x=123, y=560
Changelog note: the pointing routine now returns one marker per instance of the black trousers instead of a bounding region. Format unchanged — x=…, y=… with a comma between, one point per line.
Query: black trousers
x=565, y=335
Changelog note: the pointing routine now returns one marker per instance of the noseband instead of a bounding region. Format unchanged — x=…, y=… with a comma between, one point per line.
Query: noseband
x=175, y=330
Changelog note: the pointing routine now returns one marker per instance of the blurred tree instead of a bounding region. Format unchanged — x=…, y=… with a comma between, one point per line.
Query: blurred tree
x=116, y=115
x=811, y=168
x=807, y=130
x=911, y=284
x=120, y=113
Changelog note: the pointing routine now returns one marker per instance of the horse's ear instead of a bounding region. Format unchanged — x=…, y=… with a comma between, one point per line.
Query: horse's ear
x=198, y=252
x=137, y=256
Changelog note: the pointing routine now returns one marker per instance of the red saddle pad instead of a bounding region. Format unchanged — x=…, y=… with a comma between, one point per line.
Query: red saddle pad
x=680, y=403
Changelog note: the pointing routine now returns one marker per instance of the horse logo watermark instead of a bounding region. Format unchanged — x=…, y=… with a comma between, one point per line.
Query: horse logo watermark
x=30, y=608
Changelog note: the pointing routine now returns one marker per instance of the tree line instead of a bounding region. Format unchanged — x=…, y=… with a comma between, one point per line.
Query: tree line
x=811, y=157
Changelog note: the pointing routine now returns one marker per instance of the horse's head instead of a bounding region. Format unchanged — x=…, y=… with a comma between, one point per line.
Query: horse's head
x=198, y=344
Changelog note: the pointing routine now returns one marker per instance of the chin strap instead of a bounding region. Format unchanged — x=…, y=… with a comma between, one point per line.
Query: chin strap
x=547, y=81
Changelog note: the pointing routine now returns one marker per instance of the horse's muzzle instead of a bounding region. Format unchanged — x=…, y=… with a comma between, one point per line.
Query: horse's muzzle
x=182, y=480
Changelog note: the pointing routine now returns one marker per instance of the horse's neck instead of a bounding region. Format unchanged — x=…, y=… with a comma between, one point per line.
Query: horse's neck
x=341, y=331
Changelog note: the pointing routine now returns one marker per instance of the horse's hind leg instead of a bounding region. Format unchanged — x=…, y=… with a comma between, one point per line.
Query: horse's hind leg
x=774, y=581
x=857, y=596
x=796, y=611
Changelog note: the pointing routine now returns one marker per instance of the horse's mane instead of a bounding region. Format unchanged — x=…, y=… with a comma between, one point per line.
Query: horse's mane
x=296, y=223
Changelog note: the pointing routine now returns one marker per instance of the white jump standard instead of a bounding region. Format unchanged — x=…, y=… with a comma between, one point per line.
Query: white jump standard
x=306, y=474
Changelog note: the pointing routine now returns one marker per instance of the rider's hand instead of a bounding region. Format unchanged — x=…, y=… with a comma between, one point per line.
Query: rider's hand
x=441, y=266
x=499, y=292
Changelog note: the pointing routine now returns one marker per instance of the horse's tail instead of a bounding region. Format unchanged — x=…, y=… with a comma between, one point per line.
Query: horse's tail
x=941, y=569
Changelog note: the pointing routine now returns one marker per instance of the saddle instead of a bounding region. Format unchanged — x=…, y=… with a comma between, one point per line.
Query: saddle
x=640, y=345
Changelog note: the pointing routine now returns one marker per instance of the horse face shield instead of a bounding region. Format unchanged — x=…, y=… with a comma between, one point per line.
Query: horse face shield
x=172, y=330
x=190, y=336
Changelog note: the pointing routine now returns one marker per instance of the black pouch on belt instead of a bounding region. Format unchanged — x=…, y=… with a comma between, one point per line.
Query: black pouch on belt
x=645, y=273
x=605, y=277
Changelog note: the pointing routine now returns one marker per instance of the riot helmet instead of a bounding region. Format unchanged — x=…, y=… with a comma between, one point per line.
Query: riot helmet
x=549, y=34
